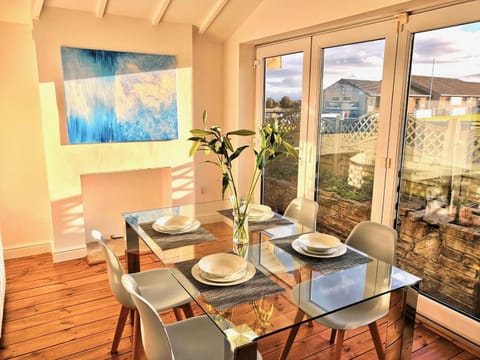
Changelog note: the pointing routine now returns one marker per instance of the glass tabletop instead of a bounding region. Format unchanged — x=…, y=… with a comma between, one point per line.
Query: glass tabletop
x=281, y=279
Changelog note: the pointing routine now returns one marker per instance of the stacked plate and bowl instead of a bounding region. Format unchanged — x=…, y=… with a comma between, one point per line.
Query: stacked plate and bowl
x=319, y=245
x=223, y=269
x=259, y=213
x=175, y=224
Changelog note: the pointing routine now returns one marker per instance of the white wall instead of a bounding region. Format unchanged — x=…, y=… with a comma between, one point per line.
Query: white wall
x=40, y=193
x=66, y=163
x=24, y=199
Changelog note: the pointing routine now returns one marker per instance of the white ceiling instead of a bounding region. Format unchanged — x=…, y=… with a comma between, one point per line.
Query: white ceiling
x=217, y=18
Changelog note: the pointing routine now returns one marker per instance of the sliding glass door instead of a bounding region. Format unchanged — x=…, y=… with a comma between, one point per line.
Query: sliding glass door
x=389, y=130
x=282, y=97
x=347, y=122
x=439, y=205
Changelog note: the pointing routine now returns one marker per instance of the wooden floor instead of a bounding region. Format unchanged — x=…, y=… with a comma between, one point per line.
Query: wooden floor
x=66, y=311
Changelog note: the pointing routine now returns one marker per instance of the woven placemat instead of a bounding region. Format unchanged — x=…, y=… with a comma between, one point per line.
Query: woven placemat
x=171, y=241
x=323, y=265
x=225, y=297
x=277, y=220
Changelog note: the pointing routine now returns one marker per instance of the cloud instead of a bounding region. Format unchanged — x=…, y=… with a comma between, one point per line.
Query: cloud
x=454, y=49
x=448, y=52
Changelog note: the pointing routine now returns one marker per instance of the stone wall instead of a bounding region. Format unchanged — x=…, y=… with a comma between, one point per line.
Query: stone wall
x=278, y=194
x=338, y=216
x=446, y=256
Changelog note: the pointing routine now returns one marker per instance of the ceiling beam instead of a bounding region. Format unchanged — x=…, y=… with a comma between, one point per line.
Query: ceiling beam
x=37, y=8
x=212, y=15
x=100, y=8
x=160, y=11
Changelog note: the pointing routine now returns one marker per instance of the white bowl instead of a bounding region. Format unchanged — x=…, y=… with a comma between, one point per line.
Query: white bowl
x=258, y=210
x=174, y=222
x=319, y=242
x=222, y=264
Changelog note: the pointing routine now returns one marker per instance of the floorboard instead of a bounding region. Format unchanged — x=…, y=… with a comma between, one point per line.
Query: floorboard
x=66, y=311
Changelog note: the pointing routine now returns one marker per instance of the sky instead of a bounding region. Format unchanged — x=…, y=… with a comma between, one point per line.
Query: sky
x=449, y=52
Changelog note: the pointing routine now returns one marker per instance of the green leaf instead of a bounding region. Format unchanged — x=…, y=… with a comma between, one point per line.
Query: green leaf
x=204, y=117
x=196, y=138
x=260, y=163
x=193, y=148
x=291, y=150
x=224, y=183
x=241, y=132
x=238, y=152
x=200, y=132
x=217, y=130
x=228, y=143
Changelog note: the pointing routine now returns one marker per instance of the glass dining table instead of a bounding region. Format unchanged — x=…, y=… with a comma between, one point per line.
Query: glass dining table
x=247, y=311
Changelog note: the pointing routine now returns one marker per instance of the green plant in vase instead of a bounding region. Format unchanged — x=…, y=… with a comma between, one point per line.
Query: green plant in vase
x=212, y=140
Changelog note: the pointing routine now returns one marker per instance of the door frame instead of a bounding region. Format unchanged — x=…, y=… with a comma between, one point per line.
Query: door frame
x=284, y=48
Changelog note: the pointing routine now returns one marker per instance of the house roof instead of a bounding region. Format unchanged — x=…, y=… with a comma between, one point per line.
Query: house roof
x=420, y=86
x=445, y=86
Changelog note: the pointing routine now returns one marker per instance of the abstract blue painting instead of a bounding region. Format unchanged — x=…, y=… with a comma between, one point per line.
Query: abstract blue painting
x=114, y=96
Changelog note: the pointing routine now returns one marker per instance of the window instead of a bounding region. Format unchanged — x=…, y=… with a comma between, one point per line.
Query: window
x=396, y=139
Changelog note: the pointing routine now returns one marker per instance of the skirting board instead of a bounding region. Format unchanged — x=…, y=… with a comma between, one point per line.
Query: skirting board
x=58, y=255
x=26, y=250
x=69, y=254
x=457, y=325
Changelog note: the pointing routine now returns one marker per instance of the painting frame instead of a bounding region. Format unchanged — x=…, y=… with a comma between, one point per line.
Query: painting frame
x=116, y=96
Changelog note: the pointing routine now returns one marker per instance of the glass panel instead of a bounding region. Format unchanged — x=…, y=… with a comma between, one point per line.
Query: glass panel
x=439, y=207
x=348, y=128
x=283, y=94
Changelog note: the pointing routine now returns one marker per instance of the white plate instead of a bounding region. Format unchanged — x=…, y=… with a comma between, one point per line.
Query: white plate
x=317, y=242
x=222, y=264
x=250, y=273
x=318, y=252
x=264, y=217
x=194, y=226
x=258, y=210
x=297, y=246
x=226, y=279
x=174, y=222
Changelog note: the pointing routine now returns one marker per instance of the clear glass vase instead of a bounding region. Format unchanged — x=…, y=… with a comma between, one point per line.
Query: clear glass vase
x=240, y=227
x=240, y=234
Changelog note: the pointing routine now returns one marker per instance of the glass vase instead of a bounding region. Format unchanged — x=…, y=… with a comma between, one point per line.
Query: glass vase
x=240, y=234
x=240, y=227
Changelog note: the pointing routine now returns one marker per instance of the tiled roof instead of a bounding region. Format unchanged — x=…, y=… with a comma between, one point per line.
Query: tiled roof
x=445, y=86
x=420, y=85
x=371, y=87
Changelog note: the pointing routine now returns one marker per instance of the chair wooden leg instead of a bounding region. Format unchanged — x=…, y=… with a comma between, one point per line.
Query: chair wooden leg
x=339, y=344
x=137, y=338
x=291, y=336
x=187, y=310
x=333, y=333
x=122, y=319
x=178, y=313
x=377, y=340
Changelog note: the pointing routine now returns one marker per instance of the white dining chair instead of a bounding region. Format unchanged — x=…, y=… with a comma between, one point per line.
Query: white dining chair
x=193, y=338
x=376, y=240
x=303, y=211
x=159, y=286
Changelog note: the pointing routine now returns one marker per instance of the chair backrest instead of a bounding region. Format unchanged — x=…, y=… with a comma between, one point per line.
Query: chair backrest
x=304, y=211
x=115, y=272
x=156, y=342
x=375, y=239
